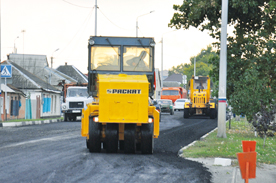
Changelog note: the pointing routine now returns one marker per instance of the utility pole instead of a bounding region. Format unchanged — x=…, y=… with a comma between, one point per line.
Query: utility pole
x=23, y=31
x=14, y=47
x=162, y=62
x=223, y=72
x=51, y=70
x=52, y=59
x=96, y=7
x=195, y=66
x=162, y=44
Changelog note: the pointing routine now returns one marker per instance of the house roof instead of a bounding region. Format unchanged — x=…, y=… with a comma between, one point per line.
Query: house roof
x=38, y=65
x=23, y=79
x=16, y=90
x=174, y=77
x=171, y=84
x=73, y=72
x=165, y=72
x=5, y=88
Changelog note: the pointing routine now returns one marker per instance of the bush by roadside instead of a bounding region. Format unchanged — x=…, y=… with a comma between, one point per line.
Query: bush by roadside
x=211, y=146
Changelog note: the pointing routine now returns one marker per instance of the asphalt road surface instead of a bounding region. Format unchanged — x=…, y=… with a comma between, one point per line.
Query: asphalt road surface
x=57, y=153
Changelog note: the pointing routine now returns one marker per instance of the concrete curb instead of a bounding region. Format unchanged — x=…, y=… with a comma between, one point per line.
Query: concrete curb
x=180, y=152
x=26, y=123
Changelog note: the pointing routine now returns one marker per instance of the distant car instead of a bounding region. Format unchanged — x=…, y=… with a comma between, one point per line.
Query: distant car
x=179, y=104
x=157, y=107
x=166, y=106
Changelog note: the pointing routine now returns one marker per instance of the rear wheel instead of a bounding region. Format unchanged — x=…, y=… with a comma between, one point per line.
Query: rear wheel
x=186, y=113
x=130, y=138
x=87, y=144
x=111, y=138
x=94, y=141
x=147, y=142
x=213, y=113
x=121, y=145
x=65, y=117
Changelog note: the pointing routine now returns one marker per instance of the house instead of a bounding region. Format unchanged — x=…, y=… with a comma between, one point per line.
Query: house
x=73, y=72
x=165, y=74
x=43, y=99
x=14, y=106
x=38, y=66
x=175, y=77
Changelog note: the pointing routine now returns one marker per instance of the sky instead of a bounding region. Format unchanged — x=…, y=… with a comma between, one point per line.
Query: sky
x=61, y=29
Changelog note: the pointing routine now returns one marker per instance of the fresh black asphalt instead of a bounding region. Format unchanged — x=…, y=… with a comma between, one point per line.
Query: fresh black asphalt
x=57, y=153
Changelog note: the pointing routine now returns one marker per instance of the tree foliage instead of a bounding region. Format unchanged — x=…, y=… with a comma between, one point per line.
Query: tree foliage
x=203, y=66
x=251, y=61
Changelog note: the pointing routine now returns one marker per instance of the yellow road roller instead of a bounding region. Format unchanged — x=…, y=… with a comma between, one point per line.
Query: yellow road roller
x=121, y=80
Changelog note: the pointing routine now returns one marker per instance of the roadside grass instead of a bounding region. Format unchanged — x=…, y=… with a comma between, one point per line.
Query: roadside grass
x=22, y=120
x=212, y=146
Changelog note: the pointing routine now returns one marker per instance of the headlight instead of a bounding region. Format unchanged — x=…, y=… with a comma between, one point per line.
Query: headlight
x=91, y=42
x=64, y=107
x=150, y=120
x=96, y=119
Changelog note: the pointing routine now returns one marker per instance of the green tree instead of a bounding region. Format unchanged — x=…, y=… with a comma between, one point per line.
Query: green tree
x=203, y=64
x=178, y=69
x=251, y=61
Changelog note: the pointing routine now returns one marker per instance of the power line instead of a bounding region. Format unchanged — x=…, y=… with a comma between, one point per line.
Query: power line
x=114, y=23
x=84, y=28
x=76, y=5
x=86, y=19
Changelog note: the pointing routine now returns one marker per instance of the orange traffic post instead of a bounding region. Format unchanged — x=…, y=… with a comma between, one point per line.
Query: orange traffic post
x=248, y=146
x=247, y=160
x=247, y=172
x=247, y=163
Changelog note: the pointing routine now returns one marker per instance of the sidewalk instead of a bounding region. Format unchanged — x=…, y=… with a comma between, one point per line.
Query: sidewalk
x=25, y=123
x=231, y=174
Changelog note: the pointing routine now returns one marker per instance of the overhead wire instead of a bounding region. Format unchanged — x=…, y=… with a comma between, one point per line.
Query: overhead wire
x=84, y=28
x=76, y=5
x=86, y=19
x=113, y=22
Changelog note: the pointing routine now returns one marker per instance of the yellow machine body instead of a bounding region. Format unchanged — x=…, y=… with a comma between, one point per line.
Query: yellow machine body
x=121, y=99
x=200, y=98
x=121, y=80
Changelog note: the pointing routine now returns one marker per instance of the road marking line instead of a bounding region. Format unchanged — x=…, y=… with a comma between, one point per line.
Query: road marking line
x=61, y=137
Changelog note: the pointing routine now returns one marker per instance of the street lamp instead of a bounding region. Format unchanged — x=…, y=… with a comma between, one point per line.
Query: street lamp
x=14, y=47
x=137, y=21
x=162, y=57
x=52, y=58
x=195, y=63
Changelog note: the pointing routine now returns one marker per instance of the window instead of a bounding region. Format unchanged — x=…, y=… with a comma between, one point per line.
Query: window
x=166, y=102
x=77, y=92
x=137, y=59
x=200, y=84
x=105, y=58
x=170, y=92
